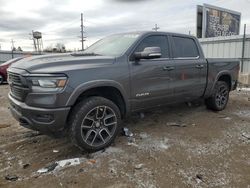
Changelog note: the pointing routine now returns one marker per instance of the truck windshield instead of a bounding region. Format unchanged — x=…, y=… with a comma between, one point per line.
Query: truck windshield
x=114, y=45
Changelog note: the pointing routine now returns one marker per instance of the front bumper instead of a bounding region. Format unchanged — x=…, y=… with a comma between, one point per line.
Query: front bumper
x=40, y=119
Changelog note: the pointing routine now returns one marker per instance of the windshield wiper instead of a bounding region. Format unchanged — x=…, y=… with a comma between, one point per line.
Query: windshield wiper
x=84, y=54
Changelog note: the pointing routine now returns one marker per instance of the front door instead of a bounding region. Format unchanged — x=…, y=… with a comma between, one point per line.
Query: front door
x=150, y=77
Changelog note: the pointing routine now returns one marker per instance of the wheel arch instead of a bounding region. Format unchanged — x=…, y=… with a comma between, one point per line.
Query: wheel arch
x=226, y=77
x=223, y=76
x=103, y=88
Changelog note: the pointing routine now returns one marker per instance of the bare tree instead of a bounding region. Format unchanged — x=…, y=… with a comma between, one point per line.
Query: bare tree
x=60, y=47
x=56, y=48
x=19, y=49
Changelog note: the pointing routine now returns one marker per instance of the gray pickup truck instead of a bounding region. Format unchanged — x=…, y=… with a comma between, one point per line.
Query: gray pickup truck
x=87, y=94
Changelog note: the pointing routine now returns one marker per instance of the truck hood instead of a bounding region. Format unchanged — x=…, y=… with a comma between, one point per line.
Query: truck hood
x=61, y=62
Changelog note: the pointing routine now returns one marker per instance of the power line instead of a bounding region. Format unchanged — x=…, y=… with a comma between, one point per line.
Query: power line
x=60, y=38
x=60, y=26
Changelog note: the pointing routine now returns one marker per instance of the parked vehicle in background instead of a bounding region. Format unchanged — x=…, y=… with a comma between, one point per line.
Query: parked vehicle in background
x=5, y=66
x=87, y=94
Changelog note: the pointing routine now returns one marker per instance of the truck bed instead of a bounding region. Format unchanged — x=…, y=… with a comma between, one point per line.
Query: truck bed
x=221, y=66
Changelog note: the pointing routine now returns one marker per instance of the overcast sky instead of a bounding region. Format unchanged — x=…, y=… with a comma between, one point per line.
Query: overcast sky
x=59, y=20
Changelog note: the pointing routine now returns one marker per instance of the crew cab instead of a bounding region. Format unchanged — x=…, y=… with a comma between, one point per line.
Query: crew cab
x=87, y=94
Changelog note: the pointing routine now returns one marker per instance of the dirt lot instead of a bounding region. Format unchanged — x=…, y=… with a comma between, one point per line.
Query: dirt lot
x=177, y=146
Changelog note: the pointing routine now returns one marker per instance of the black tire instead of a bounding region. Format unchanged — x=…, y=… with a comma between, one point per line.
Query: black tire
x=218, y=100
x=1, y=79
x=86, y=123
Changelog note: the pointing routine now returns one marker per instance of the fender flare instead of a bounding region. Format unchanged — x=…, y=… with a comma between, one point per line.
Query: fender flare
x=222, y=73
x=95, y=84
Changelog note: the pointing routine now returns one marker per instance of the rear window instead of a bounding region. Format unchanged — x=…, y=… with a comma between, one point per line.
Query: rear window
x=185, y=47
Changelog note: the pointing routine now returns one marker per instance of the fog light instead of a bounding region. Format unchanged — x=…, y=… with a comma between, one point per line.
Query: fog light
x=46, y=118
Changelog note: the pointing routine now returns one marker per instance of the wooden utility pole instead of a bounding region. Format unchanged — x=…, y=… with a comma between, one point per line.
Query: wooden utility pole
x=12, y=44
x=12, y=48
x=156, y=28
x=82, y=37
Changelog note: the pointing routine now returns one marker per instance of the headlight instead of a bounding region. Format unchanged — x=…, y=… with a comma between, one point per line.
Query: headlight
x=47, y=83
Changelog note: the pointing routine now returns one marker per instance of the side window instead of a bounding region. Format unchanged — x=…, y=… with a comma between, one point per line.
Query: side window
x=155, y=41
x=185, y=47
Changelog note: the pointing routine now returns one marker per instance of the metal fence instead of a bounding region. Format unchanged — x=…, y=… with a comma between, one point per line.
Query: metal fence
x=228, y=47
x=7, y=55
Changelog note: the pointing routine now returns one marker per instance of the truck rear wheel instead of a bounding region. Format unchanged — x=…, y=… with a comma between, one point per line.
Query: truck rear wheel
x=94, y=123
x=218, y=100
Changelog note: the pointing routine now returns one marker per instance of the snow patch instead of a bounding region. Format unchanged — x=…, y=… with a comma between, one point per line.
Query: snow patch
x=154, y=144
x=243, y=89
x=58, y=165
x=243, y=113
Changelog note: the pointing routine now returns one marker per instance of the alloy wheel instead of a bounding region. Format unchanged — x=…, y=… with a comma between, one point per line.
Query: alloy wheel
x=98, y=126
x=221, y=96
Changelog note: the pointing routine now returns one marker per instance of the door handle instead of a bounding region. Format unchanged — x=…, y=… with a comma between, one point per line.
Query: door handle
x=199, y=66
x=168, y=68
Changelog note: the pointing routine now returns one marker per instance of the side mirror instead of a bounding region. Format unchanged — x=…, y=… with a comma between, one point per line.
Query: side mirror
x=148, y=53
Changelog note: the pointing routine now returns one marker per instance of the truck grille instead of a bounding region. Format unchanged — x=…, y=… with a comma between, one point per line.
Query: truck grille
x=17, y=89
x=14, y=78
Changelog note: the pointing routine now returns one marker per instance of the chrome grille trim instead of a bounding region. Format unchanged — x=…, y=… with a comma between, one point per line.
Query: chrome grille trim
x=17, y=89
x=14, y=79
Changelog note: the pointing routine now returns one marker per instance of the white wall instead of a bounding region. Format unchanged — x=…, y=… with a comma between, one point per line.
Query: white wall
x=227, y=47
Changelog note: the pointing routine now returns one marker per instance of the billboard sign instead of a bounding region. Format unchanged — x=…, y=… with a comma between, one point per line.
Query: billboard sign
x=216, y=21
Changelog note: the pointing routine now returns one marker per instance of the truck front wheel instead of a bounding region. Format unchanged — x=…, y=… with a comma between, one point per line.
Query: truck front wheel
x=218, y=100
x=94, y=123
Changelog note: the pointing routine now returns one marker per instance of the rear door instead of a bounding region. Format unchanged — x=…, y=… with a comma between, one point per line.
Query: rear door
x=190, y=69
x=150, y=77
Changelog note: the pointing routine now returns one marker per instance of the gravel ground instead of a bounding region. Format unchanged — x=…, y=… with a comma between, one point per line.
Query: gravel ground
x=175, y=146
